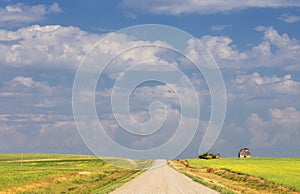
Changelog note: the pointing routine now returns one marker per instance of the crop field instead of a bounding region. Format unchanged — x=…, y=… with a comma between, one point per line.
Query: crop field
x=43, y=173
x=282, y=171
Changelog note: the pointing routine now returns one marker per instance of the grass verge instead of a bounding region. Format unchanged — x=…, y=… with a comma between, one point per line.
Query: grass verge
x=200, y=180
x=280, y=171
x=226, y=181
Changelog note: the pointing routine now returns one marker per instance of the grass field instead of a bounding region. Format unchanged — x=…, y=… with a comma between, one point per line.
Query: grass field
x=42, y=173
x=281, y=171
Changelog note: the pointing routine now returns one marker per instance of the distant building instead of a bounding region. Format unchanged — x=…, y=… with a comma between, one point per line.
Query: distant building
x=244, y=153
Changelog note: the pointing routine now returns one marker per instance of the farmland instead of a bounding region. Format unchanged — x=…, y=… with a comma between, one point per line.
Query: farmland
x=42, y=173
x=267, y=175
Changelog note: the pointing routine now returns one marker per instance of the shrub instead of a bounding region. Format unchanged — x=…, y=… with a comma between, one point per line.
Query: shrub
x=209, y=156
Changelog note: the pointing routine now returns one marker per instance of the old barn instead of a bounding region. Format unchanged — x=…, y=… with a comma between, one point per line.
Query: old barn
x=244, y=153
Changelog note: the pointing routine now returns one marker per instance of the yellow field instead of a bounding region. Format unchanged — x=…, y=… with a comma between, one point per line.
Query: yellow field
x=42, y=173
x=282, y=171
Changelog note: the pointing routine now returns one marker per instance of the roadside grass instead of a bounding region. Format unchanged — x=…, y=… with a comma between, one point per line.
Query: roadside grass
x=117, y=183
x=200, y=180
x=218, y=188
x=180, y=166
x=212, y=173
x=43, y=173
x=281, y=171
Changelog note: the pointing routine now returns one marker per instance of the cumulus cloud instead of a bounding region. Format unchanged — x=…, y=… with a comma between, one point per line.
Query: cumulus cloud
x=258, y=84
x=261, y=92
x=167, y=93
x=275, y=49
x=282, y=41
x=127, y=51
x=280, y=128
x=289, y=18
x=39, y=133
x=159, y=135
x=19, y=14
x=22, y=86
x=65, y=47
x=24, y=89
x=130, y=49
x=54, y=46
x=202, y=7
x=222, y=48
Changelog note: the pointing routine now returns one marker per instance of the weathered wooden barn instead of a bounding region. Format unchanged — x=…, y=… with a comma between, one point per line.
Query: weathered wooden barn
x=244, y=153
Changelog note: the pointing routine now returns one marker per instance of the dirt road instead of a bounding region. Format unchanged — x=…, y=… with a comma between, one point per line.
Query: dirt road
x=162, y=179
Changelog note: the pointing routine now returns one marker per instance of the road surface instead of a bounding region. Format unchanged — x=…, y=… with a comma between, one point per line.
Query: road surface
x=162, y=179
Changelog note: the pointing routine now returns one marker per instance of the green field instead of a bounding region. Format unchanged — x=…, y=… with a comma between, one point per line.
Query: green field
x=282, y=171
x=42, y=173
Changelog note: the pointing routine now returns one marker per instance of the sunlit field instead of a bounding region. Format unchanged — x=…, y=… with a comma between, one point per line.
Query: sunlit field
x=42, y=173
x=282, y=171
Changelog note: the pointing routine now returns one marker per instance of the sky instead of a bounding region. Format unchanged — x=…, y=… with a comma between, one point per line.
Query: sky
x=256, y=45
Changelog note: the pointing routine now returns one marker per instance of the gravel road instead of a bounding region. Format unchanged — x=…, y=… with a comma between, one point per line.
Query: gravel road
x=162, y=179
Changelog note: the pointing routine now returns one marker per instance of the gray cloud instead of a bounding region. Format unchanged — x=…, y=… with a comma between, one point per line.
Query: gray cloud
x=280, y=128
x=26, y=101
x=26, y=95
x=39, y=133
x=177, y=7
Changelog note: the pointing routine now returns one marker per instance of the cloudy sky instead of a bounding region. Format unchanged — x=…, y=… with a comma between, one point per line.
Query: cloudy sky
x=255, y=43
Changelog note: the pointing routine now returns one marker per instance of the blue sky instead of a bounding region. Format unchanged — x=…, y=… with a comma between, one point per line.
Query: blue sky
x=255, y=43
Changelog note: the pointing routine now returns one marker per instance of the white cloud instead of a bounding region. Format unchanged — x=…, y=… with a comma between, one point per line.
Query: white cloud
x=219, y=28
x=176, y=7
x=59, y=46
x=23, y=85
x=258, y=84
x=31, y=95
x=10, y=138
x=142, y=97
x=161, y=135
x=18, y=14
x=39, y=133
x=261, y=92
x=281, y=128
x=167, y=93
x=282, y=41
x=39, y=118
x=260, y=28
x=222, y=48
x=114, y=43
x=60, y=135
x=55, y=8
x=54, y=46
x=28, y=82
x=127, y=51
x=64, y=47
x=274, y=50
x=289, y=18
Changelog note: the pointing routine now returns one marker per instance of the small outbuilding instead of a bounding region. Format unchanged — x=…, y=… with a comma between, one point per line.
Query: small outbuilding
x=244, y=153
